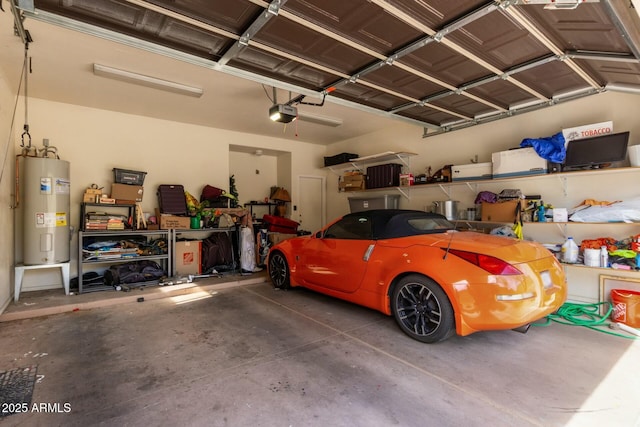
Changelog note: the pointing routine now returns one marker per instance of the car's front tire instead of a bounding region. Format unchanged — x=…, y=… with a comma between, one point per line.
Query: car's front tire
x=279, y=271
x=422, y=309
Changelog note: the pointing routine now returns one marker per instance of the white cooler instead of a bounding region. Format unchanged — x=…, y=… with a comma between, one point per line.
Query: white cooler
x=472, y=172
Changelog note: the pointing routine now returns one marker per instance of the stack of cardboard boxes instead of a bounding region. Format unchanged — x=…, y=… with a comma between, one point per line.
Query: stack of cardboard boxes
x=352, y=181
x=92, y=195
x=127, y=188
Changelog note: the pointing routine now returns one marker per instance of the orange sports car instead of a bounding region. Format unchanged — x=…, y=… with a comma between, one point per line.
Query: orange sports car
x=433, y=279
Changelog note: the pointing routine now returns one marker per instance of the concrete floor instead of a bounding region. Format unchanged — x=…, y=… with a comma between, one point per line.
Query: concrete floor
x=248, y=355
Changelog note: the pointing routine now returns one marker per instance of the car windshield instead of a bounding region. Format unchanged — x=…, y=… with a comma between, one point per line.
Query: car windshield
x=350, y=227
x=429, y=224
x=386, y=224
x=412, y=223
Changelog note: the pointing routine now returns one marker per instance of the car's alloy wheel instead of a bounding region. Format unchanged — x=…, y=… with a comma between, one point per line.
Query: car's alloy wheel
x=422, y=309
x=279, y=271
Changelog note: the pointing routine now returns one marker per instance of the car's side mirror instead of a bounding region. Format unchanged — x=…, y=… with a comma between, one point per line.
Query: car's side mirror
x=318, y=235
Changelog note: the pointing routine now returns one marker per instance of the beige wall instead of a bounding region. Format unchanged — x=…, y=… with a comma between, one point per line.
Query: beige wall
x=254, y=175
x=461, y=146
x=7, y=154
x=96, y=141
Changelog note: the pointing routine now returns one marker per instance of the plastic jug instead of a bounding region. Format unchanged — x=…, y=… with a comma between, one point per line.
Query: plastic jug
x=604, y=257
x=570, y=251
x=541, y=214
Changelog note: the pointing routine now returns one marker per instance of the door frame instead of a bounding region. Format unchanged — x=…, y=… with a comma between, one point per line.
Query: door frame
x=323, y=195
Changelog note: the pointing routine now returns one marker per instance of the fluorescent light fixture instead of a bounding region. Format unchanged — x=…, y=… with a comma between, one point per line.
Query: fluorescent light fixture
x=141, y=79
x=283, y=113
x=318, y=119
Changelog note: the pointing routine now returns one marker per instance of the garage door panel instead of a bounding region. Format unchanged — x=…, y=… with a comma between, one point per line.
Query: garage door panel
x=499, y=40
x=363, y=22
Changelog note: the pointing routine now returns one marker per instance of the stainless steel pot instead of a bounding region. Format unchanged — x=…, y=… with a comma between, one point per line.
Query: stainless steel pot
x=448, y=208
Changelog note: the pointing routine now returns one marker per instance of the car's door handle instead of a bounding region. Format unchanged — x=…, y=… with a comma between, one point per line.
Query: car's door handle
x=367, y=253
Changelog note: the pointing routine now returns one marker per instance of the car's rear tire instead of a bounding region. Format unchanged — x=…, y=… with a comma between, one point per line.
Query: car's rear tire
x=279, y=271
x=422, y=309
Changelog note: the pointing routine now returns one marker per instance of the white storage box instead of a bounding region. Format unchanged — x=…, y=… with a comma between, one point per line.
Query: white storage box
x=359, y=204
x=518, y=162
x=634, y=155
x=471, y=172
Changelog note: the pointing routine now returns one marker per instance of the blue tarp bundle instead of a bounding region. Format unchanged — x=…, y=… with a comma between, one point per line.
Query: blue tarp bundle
x=551, y=148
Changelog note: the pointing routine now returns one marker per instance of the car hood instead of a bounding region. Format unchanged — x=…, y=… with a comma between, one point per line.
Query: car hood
x=508, y=249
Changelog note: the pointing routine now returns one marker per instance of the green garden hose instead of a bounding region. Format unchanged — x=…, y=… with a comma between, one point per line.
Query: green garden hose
x=586, y=315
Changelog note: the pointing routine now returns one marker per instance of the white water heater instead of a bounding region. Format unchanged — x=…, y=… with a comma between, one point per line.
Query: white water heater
x=46, y=205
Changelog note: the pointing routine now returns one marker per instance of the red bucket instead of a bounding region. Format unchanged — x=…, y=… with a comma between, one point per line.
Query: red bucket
x=626, y=307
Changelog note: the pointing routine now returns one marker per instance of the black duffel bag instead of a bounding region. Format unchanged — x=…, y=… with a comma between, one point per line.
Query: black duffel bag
x=133, y=272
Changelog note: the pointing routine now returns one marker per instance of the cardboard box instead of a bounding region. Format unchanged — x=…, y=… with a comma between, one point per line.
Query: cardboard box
x=187, y=256
x=352, y=182
x=587, y=131
x=518, y=162
x=93, y=191
x=276, y=238
x=89, y=198
x=472, y=171
x=173, y=221
x=500, y=212
x=127, y=192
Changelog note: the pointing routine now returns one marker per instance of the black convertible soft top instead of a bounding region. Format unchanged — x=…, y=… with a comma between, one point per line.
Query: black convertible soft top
x=393, y=223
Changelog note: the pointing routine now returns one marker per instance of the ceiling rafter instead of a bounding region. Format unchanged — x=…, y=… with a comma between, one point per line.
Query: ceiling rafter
x=383, y=60
x=430, y=91
x=319, y=29
x=632, y=38
x=295, y=58
x=474, y=15
x=182, y=18
x=487, y=80
x=355, y=77
x=535, y=32
x=271, y=11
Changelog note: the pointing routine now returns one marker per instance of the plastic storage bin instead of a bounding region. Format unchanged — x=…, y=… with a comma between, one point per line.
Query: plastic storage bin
x=339, y=158
x=124, y=176
x=359, y=204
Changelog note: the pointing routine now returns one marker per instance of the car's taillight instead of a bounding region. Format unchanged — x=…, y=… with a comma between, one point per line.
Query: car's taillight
x=488, y=263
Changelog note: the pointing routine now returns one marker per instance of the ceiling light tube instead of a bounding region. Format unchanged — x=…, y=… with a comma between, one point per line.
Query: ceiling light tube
x=141, y=79
x=318, y=119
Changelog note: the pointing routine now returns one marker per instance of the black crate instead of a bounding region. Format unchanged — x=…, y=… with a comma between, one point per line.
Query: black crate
x=124, y=176
x=381, y=176
x=339, y=158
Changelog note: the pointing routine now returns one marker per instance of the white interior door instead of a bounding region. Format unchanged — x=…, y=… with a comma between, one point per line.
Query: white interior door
x=311, y=202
